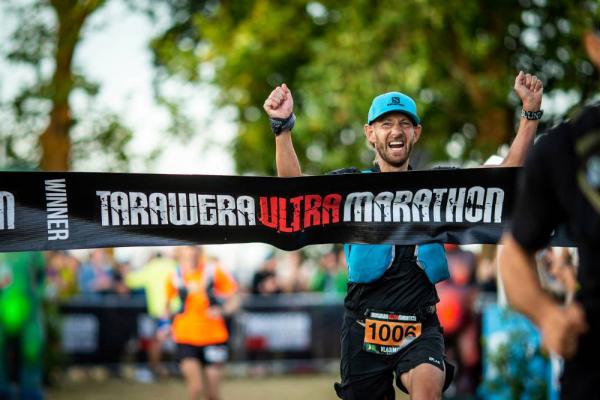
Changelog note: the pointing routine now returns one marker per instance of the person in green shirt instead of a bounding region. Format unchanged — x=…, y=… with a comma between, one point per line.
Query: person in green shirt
x=21, y=328
x=331, y=277
x=153, y=278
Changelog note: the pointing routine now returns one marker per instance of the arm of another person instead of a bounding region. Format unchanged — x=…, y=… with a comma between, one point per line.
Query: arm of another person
x=530, y=90
x=280, y=104
x=537, y=212
x=560, y=326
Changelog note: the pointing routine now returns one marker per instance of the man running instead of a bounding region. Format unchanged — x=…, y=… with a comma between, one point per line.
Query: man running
x=400, y=291
x=207, y=293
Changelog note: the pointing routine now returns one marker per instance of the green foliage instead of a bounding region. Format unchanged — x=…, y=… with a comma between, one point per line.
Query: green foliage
x=457, y=59
x=99, y=133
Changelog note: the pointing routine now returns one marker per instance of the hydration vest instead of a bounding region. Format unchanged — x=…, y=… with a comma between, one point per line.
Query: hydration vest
x=368, y=262
x=208, y=281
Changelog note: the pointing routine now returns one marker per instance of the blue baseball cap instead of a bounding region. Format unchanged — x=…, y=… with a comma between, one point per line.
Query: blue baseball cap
x=393, y=101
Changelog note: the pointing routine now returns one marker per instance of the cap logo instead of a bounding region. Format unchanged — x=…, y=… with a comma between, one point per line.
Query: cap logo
x=395, y=101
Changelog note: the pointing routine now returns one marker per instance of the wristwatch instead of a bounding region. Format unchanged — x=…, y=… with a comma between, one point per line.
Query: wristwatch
x=532, y=115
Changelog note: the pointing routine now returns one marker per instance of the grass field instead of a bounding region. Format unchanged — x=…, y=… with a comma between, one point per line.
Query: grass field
x=289, y=387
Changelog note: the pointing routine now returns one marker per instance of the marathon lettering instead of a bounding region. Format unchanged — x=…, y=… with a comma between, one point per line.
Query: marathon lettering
x=136, y=208
x=300, y=212
x=7, y=211
x=474, y=204
x=57, y=209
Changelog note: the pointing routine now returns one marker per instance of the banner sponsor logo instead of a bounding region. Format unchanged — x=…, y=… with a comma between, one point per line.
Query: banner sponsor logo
x=7, y=210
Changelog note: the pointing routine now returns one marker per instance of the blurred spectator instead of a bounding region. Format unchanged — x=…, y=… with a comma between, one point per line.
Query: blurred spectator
x=292, y=272
x=120, y=271
x=96, y=276
x=457, y=316
x=486, y=274
x=153, y=278
x=331, y=277
x=21, y=333
x=264, y=281
x=342, y=258
x=557, y=273
x=207, y=294
x=61, y=275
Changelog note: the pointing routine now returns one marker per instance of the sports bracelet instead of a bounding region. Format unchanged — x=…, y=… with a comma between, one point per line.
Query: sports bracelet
x=532, y=115
x=279, y=125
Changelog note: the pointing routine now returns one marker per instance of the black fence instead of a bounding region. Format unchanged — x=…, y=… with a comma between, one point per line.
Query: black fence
x=110, y=329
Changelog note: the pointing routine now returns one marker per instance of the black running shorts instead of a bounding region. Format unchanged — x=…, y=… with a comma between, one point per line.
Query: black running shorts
x=207, y=355
x=371, y=376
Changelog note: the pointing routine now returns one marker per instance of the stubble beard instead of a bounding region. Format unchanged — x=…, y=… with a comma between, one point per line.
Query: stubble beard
x=381, y=149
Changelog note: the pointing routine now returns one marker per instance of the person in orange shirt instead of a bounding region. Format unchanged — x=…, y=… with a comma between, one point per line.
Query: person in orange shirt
x=207, y=293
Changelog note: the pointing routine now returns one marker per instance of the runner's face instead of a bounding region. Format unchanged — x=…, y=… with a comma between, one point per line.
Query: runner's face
x=393, y=137
x=187, y=256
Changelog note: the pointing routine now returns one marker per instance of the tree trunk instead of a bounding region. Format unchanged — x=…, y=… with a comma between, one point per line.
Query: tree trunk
x=55, y=140
x=495, y=129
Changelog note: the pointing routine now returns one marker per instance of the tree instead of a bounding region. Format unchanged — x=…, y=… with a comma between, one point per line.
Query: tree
x=47, y=33
x=40, y=126
x=457, y=59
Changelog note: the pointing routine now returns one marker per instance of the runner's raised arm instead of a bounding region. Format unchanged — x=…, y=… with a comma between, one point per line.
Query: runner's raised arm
x=530, y=89
x=280, y=109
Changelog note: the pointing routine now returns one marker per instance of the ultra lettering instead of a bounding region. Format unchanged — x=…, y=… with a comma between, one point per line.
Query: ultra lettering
x=300, y=212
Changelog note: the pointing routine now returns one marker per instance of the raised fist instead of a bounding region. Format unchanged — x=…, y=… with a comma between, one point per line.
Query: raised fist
x=530, y=89
x=280, y=103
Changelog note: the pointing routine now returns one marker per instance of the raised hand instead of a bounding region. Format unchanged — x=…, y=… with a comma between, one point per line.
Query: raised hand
x=280, y=103
x=530, y=89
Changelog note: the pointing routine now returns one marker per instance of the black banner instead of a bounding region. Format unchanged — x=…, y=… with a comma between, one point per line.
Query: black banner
x=52, y=211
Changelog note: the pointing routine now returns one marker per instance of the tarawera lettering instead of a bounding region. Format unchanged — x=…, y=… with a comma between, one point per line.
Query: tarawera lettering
x=7, y=211
x=473, y=205
x=57, y=209
x=136, y=208
x=299, y=212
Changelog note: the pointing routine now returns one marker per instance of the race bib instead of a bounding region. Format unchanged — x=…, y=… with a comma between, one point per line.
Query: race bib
x=387, y=333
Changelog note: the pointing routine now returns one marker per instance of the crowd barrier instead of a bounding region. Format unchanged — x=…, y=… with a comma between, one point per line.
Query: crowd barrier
x=107, y=329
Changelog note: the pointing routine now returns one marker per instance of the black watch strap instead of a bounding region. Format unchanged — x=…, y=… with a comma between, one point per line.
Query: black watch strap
x=532, y=115
x=279, y=125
